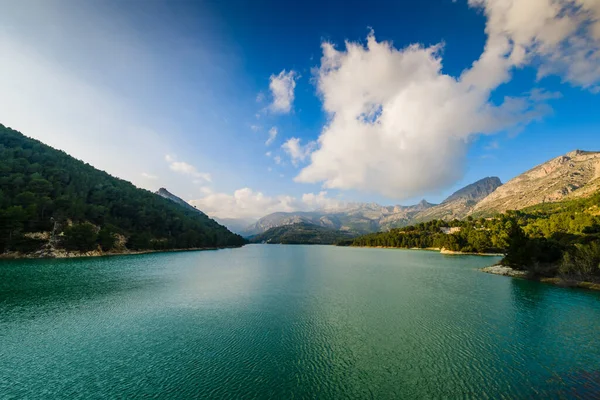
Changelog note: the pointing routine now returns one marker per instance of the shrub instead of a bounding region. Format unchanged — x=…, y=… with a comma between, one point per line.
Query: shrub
x=582, y=260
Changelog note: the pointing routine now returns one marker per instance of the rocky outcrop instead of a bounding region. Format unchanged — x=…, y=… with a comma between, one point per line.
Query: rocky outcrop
x=575, y=174
x=168, y=195
x=460, y=203
x=505, y=271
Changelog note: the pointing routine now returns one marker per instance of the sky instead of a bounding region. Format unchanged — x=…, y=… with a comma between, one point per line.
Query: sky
x=247, y=108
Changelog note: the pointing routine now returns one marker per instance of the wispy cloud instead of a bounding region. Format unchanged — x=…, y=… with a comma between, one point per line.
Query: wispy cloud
x=187, y=169
x=272, y=135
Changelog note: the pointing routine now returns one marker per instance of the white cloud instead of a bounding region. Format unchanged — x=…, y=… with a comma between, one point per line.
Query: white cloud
x=398, y=125
x=322, y=202
x=246, y=203
x=187, y=169
x=277, y=160
x=557, y=36
x=296, y=151
x=268, y=154
x=149, y=176
x=272, y=136
x=254, y=128
x=282, y=89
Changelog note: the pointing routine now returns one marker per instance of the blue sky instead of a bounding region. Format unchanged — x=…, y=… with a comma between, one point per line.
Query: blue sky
x=177, y=94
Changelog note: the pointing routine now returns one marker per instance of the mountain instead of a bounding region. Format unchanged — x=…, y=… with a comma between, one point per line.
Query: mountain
x=162, y=192
x=357, y=218
x=51, y=201
x=573, y=175
x=459, y=204
x=361, y=218
x=301, y=233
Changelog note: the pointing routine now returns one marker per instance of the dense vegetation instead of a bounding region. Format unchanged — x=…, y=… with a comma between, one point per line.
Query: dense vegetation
x=81, y=208
x=547, y=240
x=301, y=233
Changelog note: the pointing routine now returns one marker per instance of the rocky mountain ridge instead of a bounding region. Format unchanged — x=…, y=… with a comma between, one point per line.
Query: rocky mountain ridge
x=361, y=218
x=575, y=174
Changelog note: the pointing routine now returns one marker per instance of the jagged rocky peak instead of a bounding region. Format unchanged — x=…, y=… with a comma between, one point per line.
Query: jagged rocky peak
x=476, y=191
x=168, y=195
x=577, y=153
x=423, y=204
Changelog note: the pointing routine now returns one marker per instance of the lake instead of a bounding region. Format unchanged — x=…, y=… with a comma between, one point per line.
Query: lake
x=283, y=322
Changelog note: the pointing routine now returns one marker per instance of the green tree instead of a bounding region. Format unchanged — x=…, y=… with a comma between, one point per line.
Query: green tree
x=80, y=237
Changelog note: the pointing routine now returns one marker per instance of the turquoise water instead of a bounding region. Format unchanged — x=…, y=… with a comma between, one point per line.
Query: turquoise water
x=283, y=322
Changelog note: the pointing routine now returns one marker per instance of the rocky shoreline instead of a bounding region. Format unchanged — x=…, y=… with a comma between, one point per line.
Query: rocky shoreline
x=61, y=253
x=460, y=253
x=556, y=281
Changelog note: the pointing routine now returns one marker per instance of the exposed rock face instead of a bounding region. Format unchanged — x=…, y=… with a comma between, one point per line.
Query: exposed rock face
x=168, y=195
x=460, y=203
x=575, y=174
x=476, y=191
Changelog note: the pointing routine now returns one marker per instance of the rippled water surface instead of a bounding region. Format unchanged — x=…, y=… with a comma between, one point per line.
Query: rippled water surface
x=283, y=322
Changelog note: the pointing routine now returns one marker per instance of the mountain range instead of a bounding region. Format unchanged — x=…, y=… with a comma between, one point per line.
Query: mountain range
x=575, y=174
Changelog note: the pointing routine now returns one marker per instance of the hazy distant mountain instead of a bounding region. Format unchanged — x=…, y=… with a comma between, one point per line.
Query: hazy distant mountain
x=236, y=225
x=301, y=233
x=575, y=174
x=357, y=218
x=363, y=218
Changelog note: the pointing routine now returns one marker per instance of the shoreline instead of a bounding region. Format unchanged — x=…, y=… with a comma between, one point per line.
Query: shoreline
x=435, y=249
x=63, y=254
x=556, y=281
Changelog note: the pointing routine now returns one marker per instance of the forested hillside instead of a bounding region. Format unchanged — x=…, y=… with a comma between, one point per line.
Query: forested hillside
x=548, y=239
x=50, y=198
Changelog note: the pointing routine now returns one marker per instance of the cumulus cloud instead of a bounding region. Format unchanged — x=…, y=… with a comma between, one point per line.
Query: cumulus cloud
x=254, y=128
x=282, y=89
x=559, y=37
x=296, y=151
x=187, y=169
x=247, y=203
x=277, y=160
x=398, y=125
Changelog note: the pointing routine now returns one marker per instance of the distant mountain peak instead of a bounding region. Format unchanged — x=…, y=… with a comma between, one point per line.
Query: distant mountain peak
x=476, y=191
